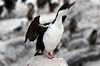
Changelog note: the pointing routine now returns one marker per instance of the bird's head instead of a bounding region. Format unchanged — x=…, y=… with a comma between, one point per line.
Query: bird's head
x=64, y=8
x=30, y=6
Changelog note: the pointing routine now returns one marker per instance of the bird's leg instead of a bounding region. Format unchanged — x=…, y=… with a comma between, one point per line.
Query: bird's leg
x=48, y=55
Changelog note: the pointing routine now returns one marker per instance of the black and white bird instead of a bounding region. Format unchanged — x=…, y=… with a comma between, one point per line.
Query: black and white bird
x=72, y=26
x=48, y=35
x=65, y=1
x=93, y=37
x=53, y=4
x=92, y=40
x=1, y=8
x=30, y=12
x=10, y=5
x=41, y=3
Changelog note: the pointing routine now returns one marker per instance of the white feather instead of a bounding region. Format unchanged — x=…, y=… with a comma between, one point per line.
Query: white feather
x=52, y=37
x=54, y=33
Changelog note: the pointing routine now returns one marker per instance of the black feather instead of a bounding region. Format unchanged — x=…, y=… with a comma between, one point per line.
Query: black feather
x=36, y=31
x=66, y=6
x=63, y=18
x=32, y=30
x=93, y=37
x=1, y=9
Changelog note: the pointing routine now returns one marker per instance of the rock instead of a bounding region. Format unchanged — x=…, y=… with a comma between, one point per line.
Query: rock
x=80, y=55
x=43, y=61
x=4, y=61
x=78, y=44
x=10, y=25
x=15, y=48
x=76, y=35
x=67, y=38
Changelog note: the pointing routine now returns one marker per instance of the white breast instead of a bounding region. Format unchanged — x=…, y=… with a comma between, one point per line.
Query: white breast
x=52, y=37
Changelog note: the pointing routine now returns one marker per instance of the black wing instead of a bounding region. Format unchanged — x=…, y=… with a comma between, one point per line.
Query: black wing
x=34, y=30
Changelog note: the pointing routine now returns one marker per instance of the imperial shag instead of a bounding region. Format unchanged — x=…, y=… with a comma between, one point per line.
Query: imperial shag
x=30, y=11
x=48, y=35
x=93, y=37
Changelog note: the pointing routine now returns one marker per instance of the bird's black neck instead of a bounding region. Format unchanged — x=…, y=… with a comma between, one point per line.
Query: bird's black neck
x=55, y=18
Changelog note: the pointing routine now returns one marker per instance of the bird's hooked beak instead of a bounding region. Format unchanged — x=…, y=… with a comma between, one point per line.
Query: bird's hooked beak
x=70, y=5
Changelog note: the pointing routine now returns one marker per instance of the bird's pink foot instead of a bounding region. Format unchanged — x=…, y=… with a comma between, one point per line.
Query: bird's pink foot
x=48, y=55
